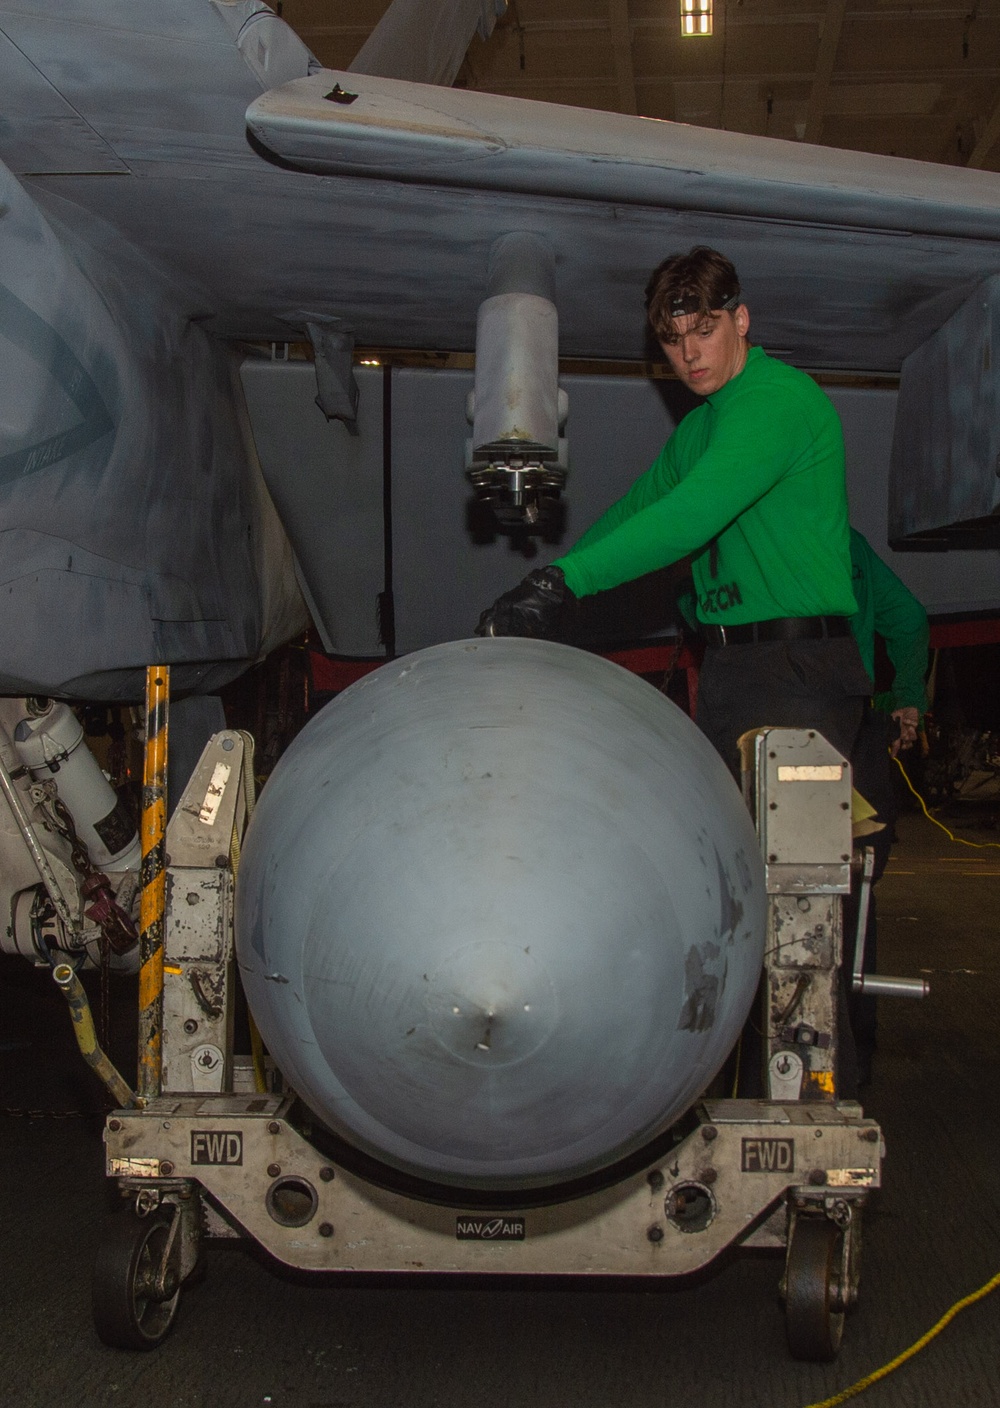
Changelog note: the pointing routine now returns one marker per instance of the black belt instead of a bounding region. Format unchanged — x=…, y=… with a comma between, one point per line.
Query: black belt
x=783, y=628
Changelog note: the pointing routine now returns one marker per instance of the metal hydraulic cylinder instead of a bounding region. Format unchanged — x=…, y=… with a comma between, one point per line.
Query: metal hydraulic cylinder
x=517, y=353
x=50, y=743
x=517, y=407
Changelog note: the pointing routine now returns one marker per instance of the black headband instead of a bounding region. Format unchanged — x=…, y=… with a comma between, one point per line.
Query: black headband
x=684, y=303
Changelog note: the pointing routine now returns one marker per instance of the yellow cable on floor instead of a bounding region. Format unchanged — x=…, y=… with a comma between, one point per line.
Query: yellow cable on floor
x=923, y=1341
x=979, y=845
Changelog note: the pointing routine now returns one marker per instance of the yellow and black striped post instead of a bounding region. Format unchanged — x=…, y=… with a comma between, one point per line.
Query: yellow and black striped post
x=152, y=901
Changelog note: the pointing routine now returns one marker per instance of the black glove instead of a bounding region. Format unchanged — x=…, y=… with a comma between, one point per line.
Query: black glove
x=538, y=606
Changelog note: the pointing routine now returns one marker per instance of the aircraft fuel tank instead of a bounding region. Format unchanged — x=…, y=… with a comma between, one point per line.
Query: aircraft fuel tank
x=500, y=914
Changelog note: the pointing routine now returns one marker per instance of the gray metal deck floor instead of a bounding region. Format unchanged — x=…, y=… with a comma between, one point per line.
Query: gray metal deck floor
x=251, y=1336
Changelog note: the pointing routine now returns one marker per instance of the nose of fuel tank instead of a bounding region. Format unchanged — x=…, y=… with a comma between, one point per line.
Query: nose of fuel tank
x=500, y=914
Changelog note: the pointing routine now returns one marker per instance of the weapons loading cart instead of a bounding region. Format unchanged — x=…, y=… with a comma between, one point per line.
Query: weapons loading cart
x=213, y=1153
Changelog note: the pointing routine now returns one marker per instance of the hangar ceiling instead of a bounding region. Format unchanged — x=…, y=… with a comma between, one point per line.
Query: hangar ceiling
x=918, y=79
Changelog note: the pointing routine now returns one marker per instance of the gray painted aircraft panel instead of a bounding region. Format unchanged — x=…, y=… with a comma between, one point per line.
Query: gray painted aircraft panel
x=132, y=72
x=946, y=582
x=946, y=450
x=42, y=130
x=327, y=486
x=133, y=523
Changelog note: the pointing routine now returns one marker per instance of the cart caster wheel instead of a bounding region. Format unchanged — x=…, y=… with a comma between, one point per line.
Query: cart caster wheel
x=129, y=1313
x=812, y=1291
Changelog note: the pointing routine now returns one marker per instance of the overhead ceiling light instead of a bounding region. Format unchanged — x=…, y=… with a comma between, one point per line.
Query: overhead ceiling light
x=696, y=18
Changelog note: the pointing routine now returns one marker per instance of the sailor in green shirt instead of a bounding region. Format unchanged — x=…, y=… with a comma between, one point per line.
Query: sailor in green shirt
x=888, y=608
x=751, y=486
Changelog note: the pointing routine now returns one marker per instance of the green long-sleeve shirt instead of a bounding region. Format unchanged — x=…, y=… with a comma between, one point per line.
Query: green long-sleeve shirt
x=751, y=483
x=888, y=607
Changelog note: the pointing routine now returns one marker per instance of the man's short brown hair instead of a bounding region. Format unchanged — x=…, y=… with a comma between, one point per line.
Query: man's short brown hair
x=703, y=281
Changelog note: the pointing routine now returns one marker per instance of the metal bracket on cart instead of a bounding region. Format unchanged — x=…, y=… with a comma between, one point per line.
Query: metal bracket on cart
x=803, y=808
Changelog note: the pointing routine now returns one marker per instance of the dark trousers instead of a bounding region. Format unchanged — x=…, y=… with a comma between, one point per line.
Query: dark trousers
x=818, y=684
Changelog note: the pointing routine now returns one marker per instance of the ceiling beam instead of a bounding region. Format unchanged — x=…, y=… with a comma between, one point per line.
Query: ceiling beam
x=621, y=44
x=991, y=133
x=515, y=86
x=825, y=60
x=905, y=12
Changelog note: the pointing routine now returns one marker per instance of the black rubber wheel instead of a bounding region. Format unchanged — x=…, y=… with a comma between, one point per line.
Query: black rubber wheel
x=128, y=1313
x=813, y=1326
